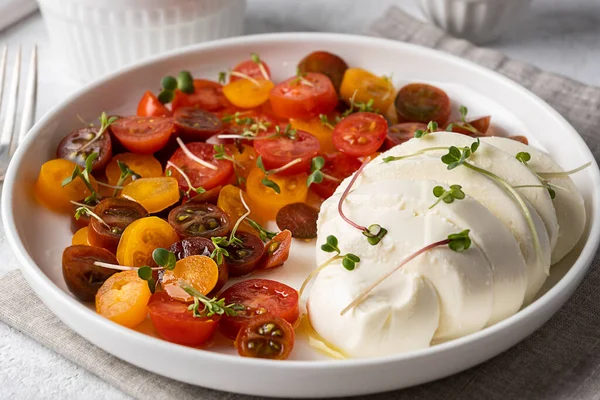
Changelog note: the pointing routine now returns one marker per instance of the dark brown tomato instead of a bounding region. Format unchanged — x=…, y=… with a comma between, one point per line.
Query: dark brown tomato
x=82, y=277
x=475, y=128
x=74, y=147
x=199, y=220
x=298, y=218
x=84, y=220
x=277, y=250
x=198, y=246
x=266, y=337
x=210, y=196
x=418, y=102
x=402, y=132
x=326, y=63
x=194, y=124
x=244, y=258
x=117, y=213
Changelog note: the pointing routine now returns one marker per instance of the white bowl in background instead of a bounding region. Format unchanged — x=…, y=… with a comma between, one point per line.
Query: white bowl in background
x=98, y=36
x=479, y=21
x=38, y=236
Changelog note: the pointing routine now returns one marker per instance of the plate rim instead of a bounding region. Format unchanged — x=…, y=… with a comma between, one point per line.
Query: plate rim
x=33, y=273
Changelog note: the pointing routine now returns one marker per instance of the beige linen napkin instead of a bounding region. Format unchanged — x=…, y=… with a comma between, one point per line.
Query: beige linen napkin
x=559, y=361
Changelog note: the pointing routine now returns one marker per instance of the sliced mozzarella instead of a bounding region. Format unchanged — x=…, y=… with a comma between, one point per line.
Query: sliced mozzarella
x=462, y=280
x=492, y=196
x=570, y=209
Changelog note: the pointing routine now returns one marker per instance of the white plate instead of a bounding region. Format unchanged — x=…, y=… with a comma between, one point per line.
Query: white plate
x=38, y=236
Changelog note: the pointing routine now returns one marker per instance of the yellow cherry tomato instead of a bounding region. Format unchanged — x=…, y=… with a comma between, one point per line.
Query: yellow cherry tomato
x=154, y=194
x=245, y=159
x=141, y=238
x=367, y=86
x=123, y=298
x=81, y=237
x=50, y=191
x=201, y=272
x=265, y=201
x=245, y=93
x=319, y=130
x=230, y=202
x=144, y=165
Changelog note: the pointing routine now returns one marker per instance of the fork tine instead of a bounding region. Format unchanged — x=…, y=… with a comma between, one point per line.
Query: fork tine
x=28, y=114
x=11, y=110
x=3, y=71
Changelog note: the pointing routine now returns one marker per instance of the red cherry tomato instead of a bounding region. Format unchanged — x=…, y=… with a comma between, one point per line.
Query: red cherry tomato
x=480, y=125
x=339, y=166
x=277, y=152
x=360, y=134
x=258, y=296
x=175, y=323
x=266, y=337
x=418, y=102
x=521, y=139
x=200, y=175
x=149, y=106
x=208, y=95
x=304, y=98
x=252, y=69
x=240, y=121
x=402, y=132
x=143, y=135
x=277, y=250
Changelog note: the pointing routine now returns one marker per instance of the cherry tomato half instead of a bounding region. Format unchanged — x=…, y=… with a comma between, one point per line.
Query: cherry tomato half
x=123, y=299
x=143, y=135
x=194, y=124
x=259, y=297
x=175, y=323
x=200, y=175
x=243, y=258
x=418, y=102
x=245, y=93
x=149, y=106
x=339, y=166
x=363, y=86
x=300, y=219
x=402, y=132
x=277, y=250
x=279, y=151
x=308, y=97
x=208, y=95
x=480, y=125
x=82, y=277
x=266, y=337
x=252, y=69
x=325, y=63
x=70, y=148
x=199, y=219
x=360, y=134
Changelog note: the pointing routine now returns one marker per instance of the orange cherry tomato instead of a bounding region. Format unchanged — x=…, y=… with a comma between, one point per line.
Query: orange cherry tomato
x=245, y=93
x=144, y=165
x=265, y=201
x=360, y=134
x=252, y=69
x=50, y=191
x=143, y=135
x=245, y=160
x=318, y=129
x=208, y=95
x=81, y=237
x=149, y=106
x=308, y=97
x=175, y=323
x=123, y=299
x=141, y=238
x=277, y=250
x=418, y=102
x=201, y=272
x=367, y=86
x=229, y=201
x=266, y=336
x=154, y=194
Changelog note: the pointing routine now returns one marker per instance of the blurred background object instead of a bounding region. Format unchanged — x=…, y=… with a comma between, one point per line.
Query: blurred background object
x=479, y=21
x=99, y=36
x=12, y=11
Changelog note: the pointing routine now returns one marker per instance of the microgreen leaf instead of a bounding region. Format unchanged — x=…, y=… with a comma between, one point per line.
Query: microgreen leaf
x=271, y=184
x=315, y=176
x=523, y=156
x=169, y=83
x=210, y=306
x=447, y=196
x=126, y=172
x=331, y=245
x=438, y=191
x=145, y=273
x=264, y=234
x=166, y=96
x=551, y=192
x=222, y=77
x=459, y=241
x=255, y=58
x=325, y=121
x=463, y=113
x=475, y=145
x=374, y=234
x=432, y=126
x=164, y=258
x=185, y=82
x=260, y=165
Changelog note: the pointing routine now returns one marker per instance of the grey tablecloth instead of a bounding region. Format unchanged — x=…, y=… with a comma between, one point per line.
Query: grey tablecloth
x=559, y=361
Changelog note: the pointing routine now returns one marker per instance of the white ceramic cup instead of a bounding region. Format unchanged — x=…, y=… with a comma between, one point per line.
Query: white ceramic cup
x=99, y=36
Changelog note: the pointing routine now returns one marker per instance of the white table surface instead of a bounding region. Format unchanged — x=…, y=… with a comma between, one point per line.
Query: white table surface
x=559, y=36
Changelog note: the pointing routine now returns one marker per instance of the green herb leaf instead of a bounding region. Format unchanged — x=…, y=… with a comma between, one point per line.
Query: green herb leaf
x=523, y=156
x=168, y=83
x=459, y=241
x=463, y=113
x=255, y=58
x=166, y=96
x=222, y=77
x=260, y=165
x=330, y=245
x=164, y=258
x=264, y=234
x=209, y=306
x=551, y=192
x=271, y=184
x=185, y=82
x=374, y=234
x=348, y=264
x=475, y=146
x=438, y=191
x=145, y=273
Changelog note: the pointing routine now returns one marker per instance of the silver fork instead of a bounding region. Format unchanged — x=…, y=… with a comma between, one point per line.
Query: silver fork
x=11, y=138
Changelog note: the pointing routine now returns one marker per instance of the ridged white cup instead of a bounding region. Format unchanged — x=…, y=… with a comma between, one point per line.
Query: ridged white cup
x=99, y=36
x=479, y=21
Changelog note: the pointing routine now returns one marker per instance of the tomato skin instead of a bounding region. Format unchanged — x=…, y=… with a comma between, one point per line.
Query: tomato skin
x=338, y=165
x=360, y=134
x=208, y=95
x=82, y=277
x=293, y=99
x=143, y=135
x=325, y=63
x=521, y=139
x=280, y=151
x=402, y=132
x=149, y=106
x=277, y=250
x=200, y=176
x=300, y=219
x=481, y=125
x=247, y=94
x=259, y=296
x=266, y=337
x=251, y=69
x=363, y=86
x=194, y=124
x=419, y=102
x=69, y=146
x=175, y=323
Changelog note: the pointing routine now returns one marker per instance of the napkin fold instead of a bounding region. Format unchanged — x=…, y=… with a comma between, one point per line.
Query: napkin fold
x=559, y=361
